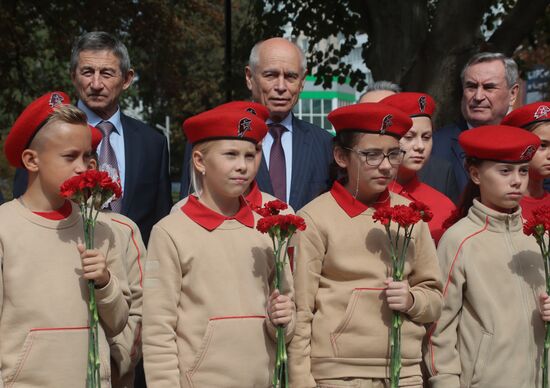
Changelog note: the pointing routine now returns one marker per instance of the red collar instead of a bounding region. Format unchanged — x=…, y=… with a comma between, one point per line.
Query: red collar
x=407, y=189
x=352, y=206
x=59, y=214
x=210, y=220
x=254, y=197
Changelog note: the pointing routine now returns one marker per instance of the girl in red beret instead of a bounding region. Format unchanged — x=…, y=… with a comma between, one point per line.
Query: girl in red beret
x=345, y=295
x=209, y=315
x=490, y=333
x=417, y=144
x=535, y=118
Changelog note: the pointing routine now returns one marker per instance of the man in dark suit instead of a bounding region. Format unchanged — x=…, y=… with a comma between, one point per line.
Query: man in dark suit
x=296, y=154
x=101, y=72
x=489, y=90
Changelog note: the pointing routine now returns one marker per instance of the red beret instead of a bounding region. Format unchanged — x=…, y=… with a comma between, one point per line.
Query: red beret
x=528, y=114
x=372, y=118
x=97, y=136
x=500, y=143
x=211, y=125
x=29, y=122
x=413, y=104
x=248, y=106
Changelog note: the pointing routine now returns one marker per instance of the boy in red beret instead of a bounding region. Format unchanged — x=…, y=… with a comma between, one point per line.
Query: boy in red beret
x=417, y=144
x=45, y=267
x=535, y=118
x=209, y=312
x=345, y=295
x=490, y=333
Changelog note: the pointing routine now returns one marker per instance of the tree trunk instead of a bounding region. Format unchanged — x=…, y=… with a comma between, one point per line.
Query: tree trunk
x=454, y=37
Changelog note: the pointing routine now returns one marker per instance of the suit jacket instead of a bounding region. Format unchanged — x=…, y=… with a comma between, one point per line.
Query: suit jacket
x=446, y=147
x=311, y=159
x=438, y=173
x=147, y=189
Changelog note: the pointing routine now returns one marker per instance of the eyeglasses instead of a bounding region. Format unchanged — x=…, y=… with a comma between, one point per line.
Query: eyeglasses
x=375, y=158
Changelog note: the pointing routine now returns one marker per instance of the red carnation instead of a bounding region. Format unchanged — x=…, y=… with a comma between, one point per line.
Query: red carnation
x=404, y=216
x=383, y=215
x=425, y=213
x=280, y=228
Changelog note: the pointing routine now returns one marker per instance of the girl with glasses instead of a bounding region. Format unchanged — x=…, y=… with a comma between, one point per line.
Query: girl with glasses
x=344, y=291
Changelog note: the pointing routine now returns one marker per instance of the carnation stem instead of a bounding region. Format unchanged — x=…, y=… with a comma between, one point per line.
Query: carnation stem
x=280, y=373
x=93, y=369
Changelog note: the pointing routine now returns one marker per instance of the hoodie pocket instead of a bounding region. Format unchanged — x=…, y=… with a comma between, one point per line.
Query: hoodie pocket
x=235, y=352
x=363, y=330
x=480, y=361
x=56, y=357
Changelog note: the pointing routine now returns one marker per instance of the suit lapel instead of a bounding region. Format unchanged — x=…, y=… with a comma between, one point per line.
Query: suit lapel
x=263, y=179
x=301, y=149
x=131, y=151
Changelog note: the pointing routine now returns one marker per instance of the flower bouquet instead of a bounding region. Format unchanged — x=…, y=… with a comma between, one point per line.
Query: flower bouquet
x=91, y=190
x=538, y=226
x=405, y=217
x=280, y=228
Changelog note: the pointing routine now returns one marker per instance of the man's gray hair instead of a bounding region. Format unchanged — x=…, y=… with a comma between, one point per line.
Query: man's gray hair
x=382, y=85
x=98, y=41
x=510, y=66
x=254, y=57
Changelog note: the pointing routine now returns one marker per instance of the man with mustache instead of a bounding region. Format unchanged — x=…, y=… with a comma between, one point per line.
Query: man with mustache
x=489, y=90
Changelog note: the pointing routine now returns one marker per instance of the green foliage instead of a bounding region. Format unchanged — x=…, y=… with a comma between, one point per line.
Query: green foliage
x=176, y=48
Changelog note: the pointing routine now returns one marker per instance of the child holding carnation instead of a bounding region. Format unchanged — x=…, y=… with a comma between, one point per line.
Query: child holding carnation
x=209, y=313
x=44, y=265
x=345, y=294
x=535, y=118
x=490, y=333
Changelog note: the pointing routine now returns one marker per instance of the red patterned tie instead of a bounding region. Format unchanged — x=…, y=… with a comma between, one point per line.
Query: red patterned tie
x=107, y=159
x=277, y=165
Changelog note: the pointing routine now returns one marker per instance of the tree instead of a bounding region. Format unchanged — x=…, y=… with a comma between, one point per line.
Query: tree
x=419, y=44
x=176, y=49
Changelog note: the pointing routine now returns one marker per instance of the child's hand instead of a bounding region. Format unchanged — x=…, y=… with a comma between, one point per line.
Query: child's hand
x=279, y=308
x=94, y=266
x=544, y=300
x=398, y=296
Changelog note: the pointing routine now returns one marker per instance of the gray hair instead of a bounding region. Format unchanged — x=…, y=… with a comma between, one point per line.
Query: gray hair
x=98, y=41
x=254, y=57
x=381, y=85
x=510, y=66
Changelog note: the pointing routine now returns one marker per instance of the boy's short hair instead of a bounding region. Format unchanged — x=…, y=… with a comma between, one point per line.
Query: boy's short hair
x=69, y=114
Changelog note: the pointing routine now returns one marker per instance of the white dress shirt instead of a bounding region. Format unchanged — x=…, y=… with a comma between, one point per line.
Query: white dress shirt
x=116, y=137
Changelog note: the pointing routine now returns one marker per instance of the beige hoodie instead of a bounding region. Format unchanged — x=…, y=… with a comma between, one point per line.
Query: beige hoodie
x=43, y=300
x=343, y=320
x=490, y=331
x=204, y=309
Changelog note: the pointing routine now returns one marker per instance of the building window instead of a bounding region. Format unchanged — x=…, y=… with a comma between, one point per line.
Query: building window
x=315, y=111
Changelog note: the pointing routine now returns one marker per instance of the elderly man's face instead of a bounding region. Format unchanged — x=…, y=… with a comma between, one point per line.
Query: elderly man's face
x=277, y=80
x=486, y=95
x=99, y=82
